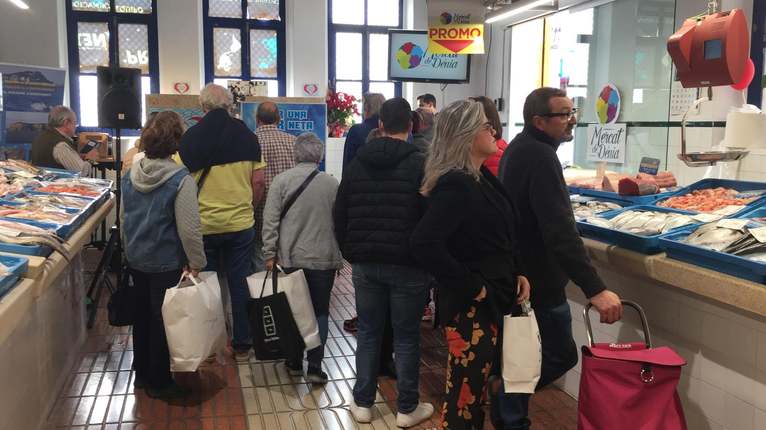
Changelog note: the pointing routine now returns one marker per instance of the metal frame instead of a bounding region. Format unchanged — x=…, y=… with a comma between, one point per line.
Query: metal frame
x=757, y=46
x=365, y=30
x=113, y=19
x=245, y=25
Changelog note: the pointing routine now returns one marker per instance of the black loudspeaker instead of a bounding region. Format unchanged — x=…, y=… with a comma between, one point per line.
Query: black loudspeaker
x=119, y=97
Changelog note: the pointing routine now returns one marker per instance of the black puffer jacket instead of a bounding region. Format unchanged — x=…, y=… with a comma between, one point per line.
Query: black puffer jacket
x=379, y=204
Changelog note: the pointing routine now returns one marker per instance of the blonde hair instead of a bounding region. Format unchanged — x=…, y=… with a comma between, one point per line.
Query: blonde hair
x=456, y=126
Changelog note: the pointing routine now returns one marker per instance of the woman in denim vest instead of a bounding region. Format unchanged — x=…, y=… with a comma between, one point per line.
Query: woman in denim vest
x=162, y=237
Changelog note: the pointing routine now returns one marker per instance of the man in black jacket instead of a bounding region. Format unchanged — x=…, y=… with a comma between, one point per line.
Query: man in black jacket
x=552, y=252
x=377, y=207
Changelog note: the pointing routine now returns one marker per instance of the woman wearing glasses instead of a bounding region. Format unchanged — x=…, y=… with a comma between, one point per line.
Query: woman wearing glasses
x=466, y=241
x=493, y=162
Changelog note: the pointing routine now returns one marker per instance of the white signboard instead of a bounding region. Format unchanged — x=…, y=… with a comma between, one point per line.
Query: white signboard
x=606, y=142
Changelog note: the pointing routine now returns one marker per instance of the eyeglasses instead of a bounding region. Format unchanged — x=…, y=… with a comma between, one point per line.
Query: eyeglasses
x=568, y=115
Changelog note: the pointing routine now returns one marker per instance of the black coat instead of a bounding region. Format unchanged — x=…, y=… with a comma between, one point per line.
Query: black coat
x=552, y=250
x=466, y=241
x=378, y=203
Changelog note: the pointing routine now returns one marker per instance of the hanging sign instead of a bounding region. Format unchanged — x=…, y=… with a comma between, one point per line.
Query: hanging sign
x=606, y=140
x=455, y=27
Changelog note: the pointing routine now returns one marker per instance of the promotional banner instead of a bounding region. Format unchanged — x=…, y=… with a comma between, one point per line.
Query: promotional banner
x=455, y=27
x=185, y=105
x=297, y=115
x=411, y=59
x=606, y=142
x=28, y=94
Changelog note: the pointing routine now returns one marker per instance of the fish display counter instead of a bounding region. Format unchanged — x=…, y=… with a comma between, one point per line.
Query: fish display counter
x=46, y=220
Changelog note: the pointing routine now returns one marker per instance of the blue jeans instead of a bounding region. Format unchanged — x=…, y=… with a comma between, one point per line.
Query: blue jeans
x=233, y=252
x=258, y=263
x=559, y=356
x=402, y=290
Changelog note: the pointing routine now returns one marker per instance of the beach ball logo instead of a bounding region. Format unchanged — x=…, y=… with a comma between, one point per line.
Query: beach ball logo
x=446, y=18
x=608, y=105
x=409, y=56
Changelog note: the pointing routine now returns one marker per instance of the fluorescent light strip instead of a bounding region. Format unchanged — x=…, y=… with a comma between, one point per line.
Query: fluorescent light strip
x=516, y=9
x=20, y=4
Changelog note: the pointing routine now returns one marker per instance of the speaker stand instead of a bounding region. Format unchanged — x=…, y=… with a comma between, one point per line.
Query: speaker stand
x=112, y=255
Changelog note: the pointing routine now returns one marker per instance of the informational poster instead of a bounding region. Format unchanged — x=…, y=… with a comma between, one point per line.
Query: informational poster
x=28, y=94
x=185, y=105
x=455, y=27
x=297, y=115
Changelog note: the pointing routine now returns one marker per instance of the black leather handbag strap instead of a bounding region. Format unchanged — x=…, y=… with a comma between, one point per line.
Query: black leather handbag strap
x=297, y=193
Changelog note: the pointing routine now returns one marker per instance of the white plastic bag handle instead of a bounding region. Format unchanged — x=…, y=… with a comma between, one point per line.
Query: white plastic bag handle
x=189, y=276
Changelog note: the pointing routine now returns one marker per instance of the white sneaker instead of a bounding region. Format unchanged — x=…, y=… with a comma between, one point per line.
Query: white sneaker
x=360, y=414
x=420, y=414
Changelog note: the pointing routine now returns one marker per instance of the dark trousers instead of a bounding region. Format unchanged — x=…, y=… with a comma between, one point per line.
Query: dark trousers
x=559, y=356
x=151, y=359
x=234, y=252
x=472, y=342
x=320, y=284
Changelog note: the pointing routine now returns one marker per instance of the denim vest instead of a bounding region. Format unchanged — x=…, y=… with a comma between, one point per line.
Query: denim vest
x=151, y=239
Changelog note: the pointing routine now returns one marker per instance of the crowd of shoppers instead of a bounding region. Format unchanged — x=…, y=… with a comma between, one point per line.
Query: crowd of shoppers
x=426, y=199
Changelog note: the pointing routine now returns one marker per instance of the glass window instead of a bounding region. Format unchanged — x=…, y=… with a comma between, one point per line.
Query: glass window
x=134, y=46
x=225, y=8
x=388, y=89
x=348, y=55
x=383, y=12
x=92, y=45
x=227, y=51
x=263, y=9
x=263, y=53
x=88, y=101
x=133, y=6
x=91, y=5
x=348, y=11
x=378, y=58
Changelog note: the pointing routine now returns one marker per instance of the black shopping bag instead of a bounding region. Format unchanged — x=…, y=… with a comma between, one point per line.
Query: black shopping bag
x=275, y=333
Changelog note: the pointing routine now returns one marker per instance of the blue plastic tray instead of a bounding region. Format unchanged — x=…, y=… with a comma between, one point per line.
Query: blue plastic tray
x=642, y=244
x=631, y=200
x=39, y=250
x=757, y=212
x=726, y=183
x=709, y=259
x=17, y=266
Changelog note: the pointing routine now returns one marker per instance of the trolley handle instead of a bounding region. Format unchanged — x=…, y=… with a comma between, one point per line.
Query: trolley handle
x=634, y=305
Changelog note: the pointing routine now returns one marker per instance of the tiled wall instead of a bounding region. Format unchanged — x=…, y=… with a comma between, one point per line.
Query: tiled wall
x=723, y=386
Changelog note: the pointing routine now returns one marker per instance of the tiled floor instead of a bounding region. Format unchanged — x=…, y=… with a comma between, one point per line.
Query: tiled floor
x=258, y=395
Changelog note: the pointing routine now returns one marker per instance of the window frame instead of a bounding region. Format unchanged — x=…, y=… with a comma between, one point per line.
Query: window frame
x=757, y=48
x=244, y=25
x=113, y=19
x=365, y=30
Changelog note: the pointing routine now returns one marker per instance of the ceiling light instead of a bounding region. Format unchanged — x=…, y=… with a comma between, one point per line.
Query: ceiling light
x=519, y=7
x=20, y=4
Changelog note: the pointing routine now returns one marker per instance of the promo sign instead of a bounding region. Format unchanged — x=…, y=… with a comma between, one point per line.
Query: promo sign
x=455, y=27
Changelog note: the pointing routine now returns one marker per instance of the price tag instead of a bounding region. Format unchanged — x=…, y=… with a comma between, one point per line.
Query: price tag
x=759, y=234
x=649, y=165
x=706, y=217
x=733, y=224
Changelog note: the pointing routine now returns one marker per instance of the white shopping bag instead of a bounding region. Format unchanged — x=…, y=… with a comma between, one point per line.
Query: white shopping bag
x=522, y=352
x=296, y=288
x=194, y=321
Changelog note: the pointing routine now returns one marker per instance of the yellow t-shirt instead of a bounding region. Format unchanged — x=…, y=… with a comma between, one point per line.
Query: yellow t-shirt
x=226, y=199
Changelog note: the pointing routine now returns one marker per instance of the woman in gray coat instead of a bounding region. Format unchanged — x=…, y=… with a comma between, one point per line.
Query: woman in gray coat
x=305, y=239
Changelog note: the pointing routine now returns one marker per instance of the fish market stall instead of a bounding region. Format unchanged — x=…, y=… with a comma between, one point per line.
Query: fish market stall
x=46, y=219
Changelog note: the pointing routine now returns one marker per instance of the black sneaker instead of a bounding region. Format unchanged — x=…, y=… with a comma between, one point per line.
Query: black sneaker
x=171, y=391
x=294, y=369
x=316, y=376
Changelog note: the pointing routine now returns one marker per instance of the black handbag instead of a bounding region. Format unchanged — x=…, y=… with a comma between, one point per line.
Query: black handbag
x=275, y=333
x=121, y=306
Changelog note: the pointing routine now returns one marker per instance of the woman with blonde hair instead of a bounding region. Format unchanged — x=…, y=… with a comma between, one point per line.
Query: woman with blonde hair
x=466, y=241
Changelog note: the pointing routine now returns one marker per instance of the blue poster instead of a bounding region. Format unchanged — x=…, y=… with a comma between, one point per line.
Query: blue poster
x=297, y=116
x=28, y=93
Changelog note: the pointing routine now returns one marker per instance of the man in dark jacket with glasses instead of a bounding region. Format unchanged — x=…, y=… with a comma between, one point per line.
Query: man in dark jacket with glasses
x=552, y=251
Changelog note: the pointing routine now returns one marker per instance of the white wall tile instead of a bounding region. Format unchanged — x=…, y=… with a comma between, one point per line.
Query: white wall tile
x=738, y=414
x=760, y=419
x=735, y=340
x=761, y=355
x=690, y=324
x=711, y=399
x=759, y=389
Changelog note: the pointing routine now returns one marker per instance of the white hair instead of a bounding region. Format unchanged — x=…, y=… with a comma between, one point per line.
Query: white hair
x=308, y=148
x=214, y=96
x=58, y=115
